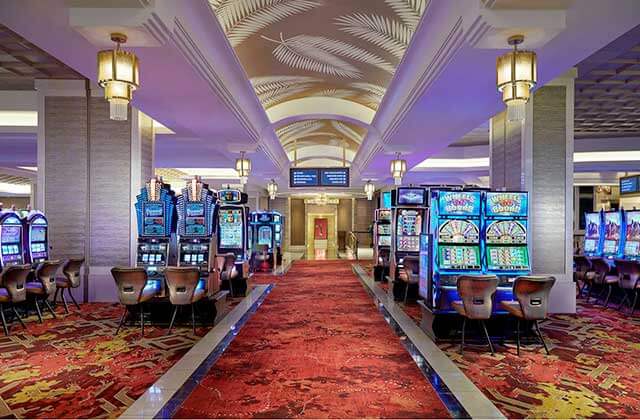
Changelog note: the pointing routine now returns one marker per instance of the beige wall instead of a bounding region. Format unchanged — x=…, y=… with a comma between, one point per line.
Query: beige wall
x=363, y=218
x=297, y=222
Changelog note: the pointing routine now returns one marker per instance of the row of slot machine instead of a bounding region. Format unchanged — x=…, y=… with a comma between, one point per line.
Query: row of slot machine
x=612, y=234
x=24, y=237
x=266, y=231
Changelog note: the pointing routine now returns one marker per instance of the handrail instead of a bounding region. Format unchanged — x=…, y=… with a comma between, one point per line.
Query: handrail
x=352, y=242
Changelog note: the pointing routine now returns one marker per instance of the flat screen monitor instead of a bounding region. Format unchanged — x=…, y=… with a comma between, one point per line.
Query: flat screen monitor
x=630, y=185
x=384, y=229
x=264, y=235
x=632, y=231
x=451, y=257
x=383, y=215
x=38, y=234
x=507, y=258
x=153, y=209
x=231, y=228
x=500, y=204
x=593, y=222
x=458, y=231
x=590, y=246
x=612, y=225
x=230, y=196
x=304, y=177
x=411, y=197
x=384, y=240
x=610, y=247
x=386, y=200
x=195, y=226
x=632, y=248
x=508, y=232
x=195, y=209
x=11, y=234
x=334, y=177
x=409, y=222
x=459, y=203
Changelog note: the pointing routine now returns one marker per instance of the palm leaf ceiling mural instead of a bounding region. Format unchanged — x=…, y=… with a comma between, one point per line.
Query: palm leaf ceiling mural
x=347, y=49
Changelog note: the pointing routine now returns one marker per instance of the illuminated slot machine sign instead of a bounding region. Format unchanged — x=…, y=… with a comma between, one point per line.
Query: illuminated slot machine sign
x=11, y=239
x=231, y=228
x=37, y=237
x=593, y=234
x=632, y=234
x=612, y=233
x=458, y=231
x=265, y=234
x=409, y=228
x=383, y=227
x=506, y=232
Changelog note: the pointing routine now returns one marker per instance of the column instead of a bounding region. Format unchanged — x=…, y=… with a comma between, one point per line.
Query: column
x=90, y=168
x=537, y=156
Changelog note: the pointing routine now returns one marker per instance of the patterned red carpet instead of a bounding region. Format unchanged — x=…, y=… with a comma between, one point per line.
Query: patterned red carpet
x=317, y=348
x=75, y=367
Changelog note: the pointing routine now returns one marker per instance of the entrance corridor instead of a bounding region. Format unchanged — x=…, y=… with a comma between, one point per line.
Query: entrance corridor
x=318, y=348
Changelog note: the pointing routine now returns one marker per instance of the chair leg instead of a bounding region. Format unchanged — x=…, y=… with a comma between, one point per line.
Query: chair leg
x=122, y=318
x=464, y=326
x=55, y=296
x=64, y=301
x=635, y=300
x=193, y=319
x=590, y=292
x=17, y=315
x=486, y=334
x=38, y=311
x=173, y=318
x=609, y=290
x=231, y=288
x=141, y=319
x=544, y=344
x=518, y=336
x=625, y=298
x=406, y=293
x=73, y=299
x=48, y=305
x=4, y=321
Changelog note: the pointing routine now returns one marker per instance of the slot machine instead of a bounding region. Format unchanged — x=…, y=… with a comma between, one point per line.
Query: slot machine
x=278, y=226
x=505, y=238
x=155, y=211
x=593, y=234
x=612, y=234
x=266, y=230
x=632, y=235
x=409, y=213
x=381, y=243
x=196, y=209
x=36, y=237
x=11, y=239
x=232, y=228
x=455, y=227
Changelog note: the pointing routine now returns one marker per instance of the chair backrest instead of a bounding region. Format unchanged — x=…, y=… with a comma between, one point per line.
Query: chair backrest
x=130, y=282
x=628, y=273
x=477, y=293
x=582, y=263
x=411, y=264
x=263, y=249
x=601, y=268
x=46, y=274
x=383, y=257
x=71, y=270
x=182, y=283
x=532, y=293
x=13, y=278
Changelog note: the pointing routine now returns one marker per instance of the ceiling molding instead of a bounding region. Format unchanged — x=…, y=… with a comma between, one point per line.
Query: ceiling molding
x=332, y=108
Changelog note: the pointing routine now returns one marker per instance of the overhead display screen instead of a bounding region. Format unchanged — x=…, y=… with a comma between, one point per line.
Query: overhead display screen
x=412, y=196
x=319, y=177
x=630, y=185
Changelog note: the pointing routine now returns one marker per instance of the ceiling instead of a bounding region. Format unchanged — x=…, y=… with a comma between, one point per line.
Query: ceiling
x=339, y=49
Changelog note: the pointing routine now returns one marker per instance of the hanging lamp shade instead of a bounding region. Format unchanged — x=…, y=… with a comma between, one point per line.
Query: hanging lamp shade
x=398, y=169
x=516, y=75
x=118, y=75
x=243, y=167
x=272, y=189
x=369, y=189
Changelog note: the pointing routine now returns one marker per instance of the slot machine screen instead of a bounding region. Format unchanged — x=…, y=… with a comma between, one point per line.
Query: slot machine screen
x=508, y=232
x=612, y=225
x=506, y=204
x=506, y=258
x=264, y=235
x=632, y=248
x=230, y=196
x=231, y=228
x=458, y=231
x=409, y=228
x=632, y=232
x=592, y=225
x=459, y=257
x=154, y=219
x=462, y=203
x=590, y=245
x=276, y=218
x=386, y=200
x=11, y=234
x=384, y=215
x=38, y=234
x=610, y=246
x=384, y=229
x=384, y=240
x=412, y=196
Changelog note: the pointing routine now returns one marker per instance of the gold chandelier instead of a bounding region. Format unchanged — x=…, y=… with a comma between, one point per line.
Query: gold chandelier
x=516, y=75
x=243, y=167
x=272, y=189
x=369, y=189
x=398, y=169
x=118, y=75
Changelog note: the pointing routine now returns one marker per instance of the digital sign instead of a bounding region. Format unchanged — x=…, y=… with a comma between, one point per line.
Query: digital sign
x=630, y=184
x=319, y=177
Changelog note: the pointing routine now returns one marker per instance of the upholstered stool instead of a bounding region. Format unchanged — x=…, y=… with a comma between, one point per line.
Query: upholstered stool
x=532, y=294
x=132, y=291
x=13, y=290
x=228, y=270
x=43, y=285
x=71, y=271
x=409, y=274
x=476, y=293
x=629, y=281
x=582, y=273
x=182, y=283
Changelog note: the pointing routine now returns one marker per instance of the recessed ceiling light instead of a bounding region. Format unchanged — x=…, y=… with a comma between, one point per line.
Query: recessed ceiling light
x=19, y=118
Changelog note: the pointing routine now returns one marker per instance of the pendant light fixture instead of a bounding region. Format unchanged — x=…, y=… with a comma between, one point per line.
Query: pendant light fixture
x=272, y=189
x=118, y=75
x=398, y=169
x=369, y=189
x=516, y=75
x=243, y=167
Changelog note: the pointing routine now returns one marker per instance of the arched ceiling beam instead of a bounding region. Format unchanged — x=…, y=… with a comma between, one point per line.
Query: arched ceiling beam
x=318, y=107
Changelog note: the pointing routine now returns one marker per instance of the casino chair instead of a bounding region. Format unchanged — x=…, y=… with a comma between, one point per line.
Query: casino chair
x=262, y=258
x=409, y=274
x=132, y=291
x=71, y=271
x=582, y=273
x=602, y=278
x=532, y=294
x=13, y=291
x=183, y=290
x=476, y=293
x=43, y=285
x=228, y=270
x=628, y=281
